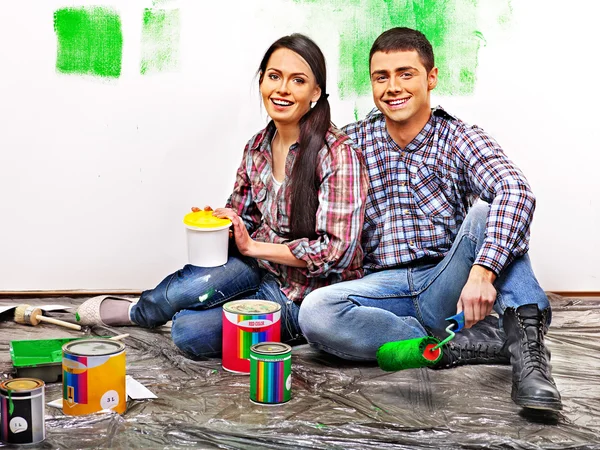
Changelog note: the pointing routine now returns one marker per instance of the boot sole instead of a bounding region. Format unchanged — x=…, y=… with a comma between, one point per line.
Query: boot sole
x=544, y=404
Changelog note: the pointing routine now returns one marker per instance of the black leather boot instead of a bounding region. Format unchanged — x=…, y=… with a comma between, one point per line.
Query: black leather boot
x=483, y=343
x=533, y=386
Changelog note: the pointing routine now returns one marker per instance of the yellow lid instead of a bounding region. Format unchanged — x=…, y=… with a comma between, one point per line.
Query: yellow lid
x=205, y=219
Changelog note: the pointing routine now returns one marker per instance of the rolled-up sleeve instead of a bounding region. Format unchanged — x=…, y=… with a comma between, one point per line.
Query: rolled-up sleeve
x=340, y=214
x=499, y=182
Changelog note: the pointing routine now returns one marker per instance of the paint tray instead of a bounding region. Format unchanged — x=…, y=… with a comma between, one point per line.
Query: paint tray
x=38, y=358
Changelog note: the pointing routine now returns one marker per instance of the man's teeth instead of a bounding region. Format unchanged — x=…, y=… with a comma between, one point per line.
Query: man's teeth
x=398, y=102
x=281, y=102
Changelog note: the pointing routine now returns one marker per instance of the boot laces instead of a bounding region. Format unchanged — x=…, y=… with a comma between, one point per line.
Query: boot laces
x=480, y=350
x=534, y=355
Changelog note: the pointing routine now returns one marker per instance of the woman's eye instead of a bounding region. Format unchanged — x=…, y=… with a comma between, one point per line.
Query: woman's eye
x=299, y=80
x=273, y=76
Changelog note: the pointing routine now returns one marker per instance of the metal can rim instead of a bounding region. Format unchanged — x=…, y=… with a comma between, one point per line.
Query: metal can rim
x=285, y=348
x=228, y=307
x=119, y=347
x=5, y=388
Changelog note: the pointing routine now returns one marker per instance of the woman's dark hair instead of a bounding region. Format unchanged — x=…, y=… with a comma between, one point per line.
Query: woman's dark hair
x=313, y=128
x=404, y=39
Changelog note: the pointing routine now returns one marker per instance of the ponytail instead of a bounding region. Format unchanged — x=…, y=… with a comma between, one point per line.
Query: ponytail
x=303, y=180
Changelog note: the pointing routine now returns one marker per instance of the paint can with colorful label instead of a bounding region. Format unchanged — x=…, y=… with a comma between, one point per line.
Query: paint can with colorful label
x=22, y=411
x=245, y=323
x=93, y=376
x=270, y=373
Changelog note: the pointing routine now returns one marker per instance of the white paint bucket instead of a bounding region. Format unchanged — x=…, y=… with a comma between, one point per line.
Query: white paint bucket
x=207, y=239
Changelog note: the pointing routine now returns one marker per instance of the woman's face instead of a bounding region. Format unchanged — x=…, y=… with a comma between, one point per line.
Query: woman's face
x=288, y=87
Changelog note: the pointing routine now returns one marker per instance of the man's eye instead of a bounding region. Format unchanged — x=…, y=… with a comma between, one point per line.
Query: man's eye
x=406, y=75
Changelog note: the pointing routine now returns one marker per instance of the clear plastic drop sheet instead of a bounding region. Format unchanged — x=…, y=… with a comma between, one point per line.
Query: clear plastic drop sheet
x=335, y=404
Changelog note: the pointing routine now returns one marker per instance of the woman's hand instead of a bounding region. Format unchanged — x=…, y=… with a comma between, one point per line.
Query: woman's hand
x=243, y=241
x=196, y=209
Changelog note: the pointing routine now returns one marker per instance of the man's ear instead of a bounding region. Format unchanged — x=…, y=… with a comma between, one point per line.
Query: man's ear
x=432, y=78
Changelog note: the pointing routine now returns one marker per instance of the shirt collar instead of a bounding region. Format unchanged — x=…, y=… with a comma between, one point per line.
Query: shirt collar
x=423, y=137
x=262, y=141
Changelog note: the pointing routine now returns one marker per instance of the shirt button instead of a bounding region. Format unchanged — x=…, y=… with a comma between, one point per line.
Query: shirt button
x=405, y=211
x=403, y=184
x=412, y=244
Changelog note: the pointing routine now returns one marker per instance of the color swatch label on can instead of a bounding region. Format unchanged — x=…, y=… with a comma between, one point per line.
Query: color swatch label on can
x=270, y=373
x=95, y=381
x=22, y=403
x=253, y=330
x=245, y=323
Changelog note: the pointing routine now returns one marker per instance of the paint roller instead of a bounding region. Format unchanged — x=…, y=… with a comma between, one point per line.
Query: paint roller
x=31, y=315
x=418, y=352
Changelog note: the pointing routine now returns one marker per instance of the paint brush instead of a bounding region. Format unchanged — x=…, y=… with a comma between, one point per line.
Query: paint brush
x=30, y=315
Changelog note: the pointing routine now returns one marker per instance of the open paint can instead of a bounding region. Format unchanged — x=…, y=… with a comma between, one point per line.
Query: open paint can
x=207, y=239
x=245, y=323
x=93, y=376
x=22, y=411
x=270, y=373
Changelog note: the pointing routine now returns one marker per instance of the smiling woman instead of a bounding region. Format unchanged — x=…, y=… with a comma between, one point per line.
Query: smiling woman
x=297, y=210
x=288, y=87
x=292, y=76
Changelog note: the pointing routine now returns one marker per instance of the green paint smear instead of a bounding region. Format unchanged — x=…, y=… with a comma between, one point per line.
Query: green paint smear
x=90, y=41
x=162, y=2
x=450, y=26
x=160, y=41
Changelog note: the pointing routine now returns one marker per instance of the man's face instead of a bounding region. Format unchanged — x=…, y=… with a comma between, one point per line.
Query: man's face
x=401, y=86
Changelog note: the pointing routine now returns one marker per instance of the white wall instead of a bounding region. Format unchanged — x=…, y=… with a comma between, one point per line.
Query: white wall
x=95, y=175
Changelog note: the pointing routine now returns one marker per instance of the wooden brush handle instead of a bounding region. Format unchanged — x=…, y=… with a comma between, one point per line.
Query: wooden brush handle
x=118, y=337
x=72, y=326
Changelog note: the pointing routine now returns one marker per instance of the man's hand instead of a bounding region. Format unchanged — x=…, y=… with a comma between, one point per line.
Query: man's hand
x=478, y=295
x=243, y=241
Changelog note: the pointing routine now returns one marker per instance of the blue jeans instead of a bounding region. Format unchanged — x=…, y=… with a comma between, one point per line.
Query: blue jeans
x=192, y=297
x=199, y=332
x=196, y=288
x=354, y=318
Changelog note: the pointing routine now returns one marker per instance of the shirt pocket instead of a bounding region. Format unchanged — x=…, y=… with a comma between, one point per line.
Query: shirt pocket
x=428, y=192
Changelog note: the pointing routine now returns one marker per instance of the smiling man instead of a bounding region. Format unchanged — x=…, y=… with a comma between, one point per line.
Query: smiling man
x=429, y=252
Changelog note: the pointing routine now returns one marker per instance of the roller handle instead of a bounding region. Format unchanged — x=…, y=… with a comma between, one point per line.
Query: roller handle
x=72, y=326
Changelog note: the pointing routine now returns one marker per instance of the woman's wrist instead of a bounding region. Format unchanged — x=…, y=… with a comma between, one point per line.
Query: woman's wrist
x=252, y=250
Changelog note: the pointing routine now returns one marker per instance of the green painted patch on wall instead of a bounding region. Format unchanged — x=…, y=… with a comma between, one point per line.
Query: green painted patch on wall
x=90, y=41
x=160, y=41
x=450, y=26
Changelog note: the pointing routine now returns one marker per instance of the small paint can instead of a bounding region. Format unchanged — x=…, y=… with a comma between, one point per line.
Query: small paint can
x=93, y=376
x=22, y=406
x=245, y=323
x=270, y=373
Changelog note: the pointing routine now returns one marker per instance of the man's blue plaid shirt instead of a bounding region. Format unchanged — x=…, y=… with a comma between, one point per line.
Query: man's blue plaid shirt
x=419, y=195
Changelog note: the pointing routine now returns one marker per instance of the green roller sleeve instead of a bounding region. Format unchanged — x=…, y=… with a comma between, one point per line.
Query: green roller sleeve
x=409, y=354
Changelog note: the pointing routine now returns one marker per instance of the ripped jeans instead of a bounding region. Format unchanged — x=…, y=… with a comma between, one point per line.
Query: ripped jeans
x=193, y=297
